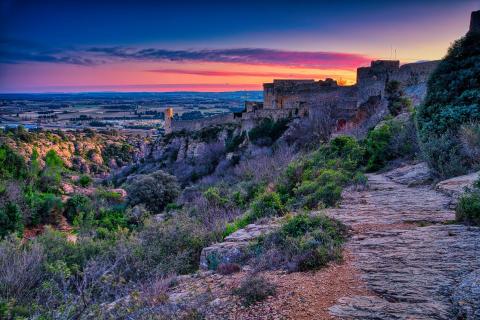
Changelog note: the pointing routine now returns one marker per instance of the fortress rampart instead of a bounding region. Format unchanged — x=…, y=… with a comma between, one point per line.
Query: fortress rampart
x=302, y=98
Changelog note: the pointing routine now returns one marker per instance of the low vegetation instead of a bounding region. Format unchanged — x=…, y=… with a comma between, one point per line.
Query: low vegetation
x=468, y=207
x=268, y=131
x=254, y=288
x=304, y=242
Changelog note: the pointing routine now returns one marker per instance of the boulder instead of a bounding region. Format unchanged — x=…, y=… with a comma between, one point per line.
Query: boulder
x=411, y=175
x=235, y=247
x=454, y=187
x=251, y=232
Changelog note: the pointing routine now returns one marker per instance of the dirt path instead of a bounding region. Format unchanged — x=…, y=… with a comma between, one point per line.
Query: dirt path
x=410, y=260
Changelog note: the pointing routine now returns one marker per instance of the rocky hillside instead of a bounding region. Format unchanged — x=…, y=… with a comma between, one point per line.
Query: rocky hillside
x=84, y=151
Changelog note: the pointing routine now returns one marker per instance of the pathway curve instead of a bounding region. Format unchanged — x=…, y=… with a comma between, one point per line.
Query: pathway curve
x=412, y=260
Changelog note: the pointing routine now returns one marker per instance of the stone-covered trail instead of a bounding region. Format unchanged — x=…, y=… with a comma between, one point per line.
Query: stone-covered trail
x=413, y=261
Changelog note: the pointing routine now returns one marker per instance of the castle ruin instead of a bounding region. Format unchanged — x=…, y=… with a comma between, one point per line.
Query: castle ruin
x=475, y=22
x=348, y=105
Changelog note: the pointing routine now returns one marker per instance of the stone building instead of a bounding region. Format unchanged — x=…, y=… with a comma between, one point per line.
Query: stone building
x=348, y=105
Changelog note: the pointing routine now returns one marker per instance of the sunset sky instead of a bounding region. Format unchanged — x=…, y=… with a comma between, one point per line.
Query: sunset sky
x=76, y=46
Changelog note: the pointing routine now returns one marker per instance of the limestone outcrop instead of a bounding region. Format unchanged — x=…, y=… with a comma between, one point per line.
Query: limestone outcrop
x=414, y=265
x=235, y=247
x=411, y=175
x=454, y=187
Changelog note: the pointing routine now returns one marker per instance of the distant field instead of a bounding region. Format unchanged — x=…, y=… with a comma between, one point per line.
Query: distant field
x=143, y=111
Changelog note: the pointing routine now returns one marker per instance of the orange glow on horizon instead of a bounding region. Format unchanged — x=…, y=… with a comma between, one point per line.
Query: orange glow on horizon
x=160, y=76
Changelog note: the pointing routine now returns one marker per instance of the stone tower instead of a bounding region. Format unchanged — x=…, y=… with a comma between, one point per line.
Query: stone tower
x=475, y=21
x=168, y=120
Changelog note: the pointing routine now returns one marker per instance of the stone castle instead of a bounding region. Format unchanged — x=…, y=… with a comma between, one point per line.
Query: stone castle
x=306, y=98
x=349, y=106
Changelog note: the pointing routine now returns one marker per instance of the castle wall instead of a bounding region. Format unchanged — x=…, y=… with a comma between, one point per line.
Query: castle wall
x=197, y=124
x=301, y=98
x=412, y=74
x=475, y=22
x=268, y=95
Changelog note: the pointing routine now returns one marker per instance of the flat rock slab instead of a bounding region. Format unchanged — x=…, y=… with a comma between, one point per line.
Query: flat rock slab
x=454, y=187
x=388, y=202
x=415, y=272
x=411, y=175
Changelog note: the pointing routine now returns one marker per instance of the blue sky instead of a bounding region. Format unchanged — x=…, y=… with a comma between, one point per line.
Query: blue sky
x=207, y=36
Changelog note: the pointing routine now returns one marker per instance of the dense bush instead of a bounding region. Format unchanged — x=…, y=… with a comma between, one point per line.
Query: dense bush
x=84, y=181
x=453, y=99
x=320, y=176
x=268, y=131
x=10, y=220
x=470, y=141
x=468, y=207
x=377, y=143
x=303, y=243
x=266, y=205
x=75, y=205
x=12, y=165
x=122, y=153
x=52, y=173
x=392, y=140
x=173, y=246
x=254, y=288
x=397, y=102
x=20, y=271
x=155, y=190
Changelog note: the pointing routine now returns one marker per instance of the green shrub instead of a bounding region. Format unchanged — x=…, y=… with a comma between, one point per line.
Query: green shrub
x=303, y=243
x=111, y=197
x=12, y=165
x=52, y=173
x=254, y=288
x=212, y=194
x=155, y=190
x=238, y=224
x=77, y=204
x=397, y=102
x=266, y=205
x=46, y=207
x=325, y=188
x=453, y=99
x=112, y=218
x=11, y=220
x=320, y=176
x=443, y=155
x=268, y=131
x=377, y=143
x=57, y=247
x=468, y=207
x=173, y=246
x=84, y=181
